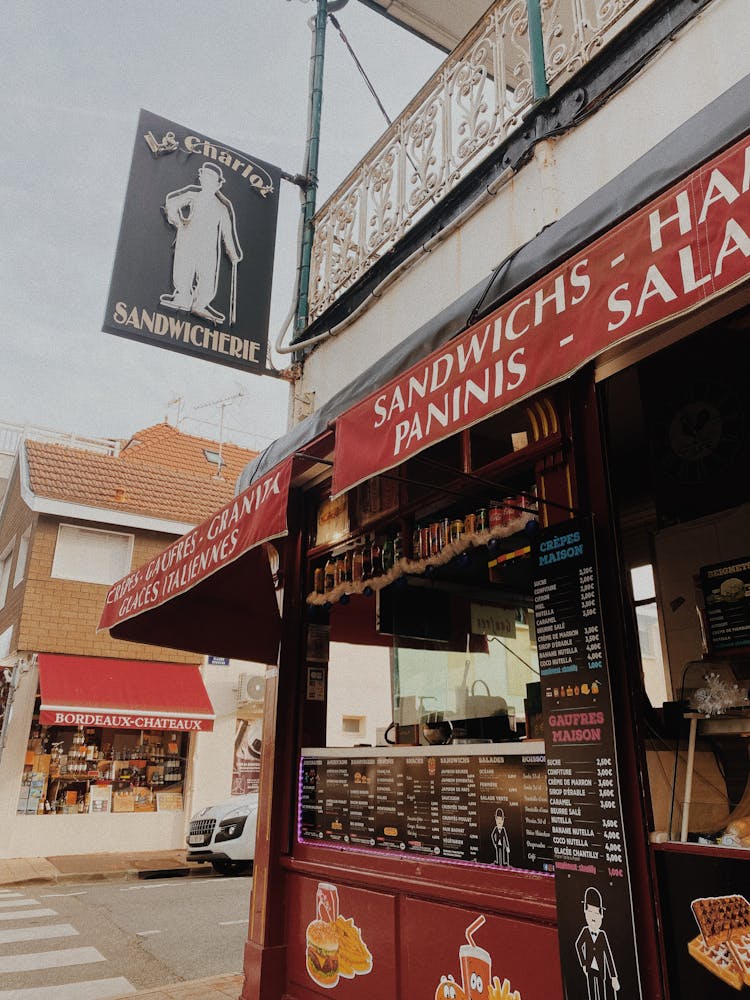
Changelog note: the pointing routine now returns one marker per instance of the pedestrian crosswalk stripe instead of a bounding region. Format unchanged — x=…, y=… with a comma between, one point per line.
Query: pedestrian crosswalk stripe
x=93, y=989
x=5, y=902
x=49, y=959
x=7, y=894
x=26, y=914
x=37, y=933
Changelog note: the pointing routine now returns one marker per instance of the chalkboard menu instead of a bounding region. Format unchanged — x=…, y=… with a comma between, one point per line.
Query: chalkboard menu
x=595, y=913
x=478, y=806
x=726, y=594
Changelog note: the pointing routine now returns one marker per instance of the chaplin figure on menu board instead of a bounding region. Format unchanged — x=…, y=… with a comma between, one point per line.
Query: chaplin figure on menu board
x=594, y=952
x=500, y=840
x=205, y=224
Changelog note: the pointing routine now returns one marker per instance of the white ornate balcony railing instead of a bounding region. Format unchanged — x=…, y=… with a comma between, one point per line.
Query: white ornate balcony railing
x=576, y=30
x=477, y=97
x=474, y=100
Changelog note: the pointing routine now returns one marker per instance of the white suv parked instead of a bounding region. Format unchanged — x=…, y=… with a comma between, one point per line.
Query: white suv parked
x=224, y=835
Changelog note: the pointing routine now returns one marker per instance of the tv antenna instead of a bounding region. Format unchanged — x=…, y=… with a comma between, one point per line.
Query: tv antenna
x=178, y=401
x=223, y=404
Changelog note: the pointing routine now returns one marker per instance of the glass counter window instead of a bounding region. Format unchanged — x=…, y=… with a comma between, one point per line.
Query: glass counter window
x=451, y=654
x=481, y=694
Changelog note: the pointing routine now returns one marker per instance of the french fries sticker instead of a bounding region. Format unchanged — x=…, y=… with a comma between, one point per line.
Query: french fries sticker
x=354, y=957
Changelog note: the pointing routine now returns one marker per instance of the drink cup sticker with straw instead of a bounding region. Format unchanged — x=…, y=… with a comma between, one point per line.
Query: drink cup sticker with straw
x=476, y=964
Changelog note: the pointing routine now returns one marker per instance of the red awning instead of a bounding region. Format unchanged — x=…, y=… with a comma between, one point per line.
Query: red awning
x=212, y=591
x=122, y=694
x=684, y=248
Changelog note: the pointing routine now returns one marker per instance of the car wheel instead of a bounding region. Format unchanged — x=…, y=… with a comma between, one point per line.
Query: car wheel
x=231, y=867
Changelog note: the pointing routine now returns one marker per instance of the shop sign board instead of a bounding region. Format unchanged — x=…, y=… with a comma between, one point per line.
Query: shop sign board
x=256, y=515
x=487, y=809
x=194, y=259
x=114, y=719
x=726, y=594
x=686, y=247
x=594, y=902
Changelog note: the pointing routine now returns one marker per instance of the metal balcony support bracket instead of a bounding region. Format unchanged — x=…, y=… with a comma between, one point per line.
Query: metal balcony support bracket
x=536, y=46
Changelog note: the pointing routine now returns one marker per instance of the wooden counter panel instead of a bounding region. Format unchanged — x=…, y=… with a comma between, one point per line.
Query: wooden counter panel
x=413, y=941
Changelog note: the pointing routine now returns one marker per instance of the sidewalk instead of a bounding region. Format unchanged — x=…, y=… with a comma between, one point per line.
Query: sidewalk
x=98, y=867
x=121, y=867
x=228, y=987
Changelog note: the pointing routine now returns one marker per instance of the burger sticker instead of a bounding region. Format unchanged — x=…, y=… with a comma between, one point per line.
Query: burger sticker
x=323, y=953
x=334, y=944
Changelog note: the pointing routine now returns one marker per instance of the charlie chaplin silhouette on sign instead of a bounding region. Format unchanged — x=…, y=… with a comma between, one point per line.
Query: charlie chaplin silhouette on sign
x=205, y=223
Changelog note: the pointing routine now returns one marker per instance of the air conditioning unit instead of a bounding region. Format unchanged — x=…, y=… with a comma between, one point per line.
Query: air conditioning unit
x=252, y=687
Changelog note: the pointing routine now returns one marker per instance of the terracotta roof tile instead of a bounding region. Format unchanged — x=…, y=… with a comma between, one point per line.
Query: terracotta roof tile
x=168, y=447
x=165, y=476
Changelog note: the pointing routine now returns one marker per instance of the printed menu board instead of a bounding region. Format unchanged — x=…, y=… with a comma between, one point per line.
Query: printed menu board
x=481, y=807
x=726, y=593
x=592, y=883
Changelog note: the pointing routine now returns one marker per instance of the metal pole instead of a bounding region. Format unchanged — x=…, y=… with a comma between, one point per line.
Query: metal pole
x=536, y=48
x=311, y=165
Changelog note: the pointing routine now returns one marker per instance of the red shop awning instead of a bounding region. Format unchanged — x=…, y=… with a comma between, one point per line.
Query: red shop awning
x=681, y=250
x=212, y=591
x=122, y=694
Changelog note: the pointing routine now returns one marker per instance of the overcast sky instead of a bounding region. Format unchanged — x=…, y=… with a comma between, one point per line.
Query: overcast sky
x=75, y=75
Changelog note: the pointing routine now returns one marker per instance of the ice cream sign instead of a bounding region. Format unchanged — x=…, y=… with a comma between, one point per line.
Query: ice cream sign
x=477, y=981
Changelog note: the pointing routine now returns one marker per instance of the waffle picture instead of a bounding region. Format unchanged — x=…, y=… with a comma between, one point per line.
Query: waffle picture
x=718, y=960
x=740, y=949
x=722, y=918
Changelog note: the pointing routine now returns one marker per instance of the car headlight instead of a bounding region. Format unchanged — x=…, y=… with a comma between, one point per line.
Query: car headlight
x=238, y=813
x=231, y=826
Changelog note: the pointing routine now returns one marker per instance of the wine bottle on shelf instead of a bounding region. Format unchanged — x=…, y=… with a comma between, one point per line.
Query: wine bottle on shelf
x=376, y=558
x=398, y=545
x=357, y=565
x=367, y=559
x=330, y=575
x=388, y=554
x=348, y=567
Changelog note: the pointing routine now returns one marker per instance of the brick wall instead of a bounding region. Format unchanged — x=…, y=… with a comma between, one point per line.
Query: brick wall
x=16, y=518
x=61, y=616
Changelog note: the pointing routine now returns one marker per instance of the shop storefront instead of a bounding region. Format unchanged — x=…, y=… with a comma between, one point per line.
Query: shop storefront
x=111, y=736
x=546, y=523
x=108, y=756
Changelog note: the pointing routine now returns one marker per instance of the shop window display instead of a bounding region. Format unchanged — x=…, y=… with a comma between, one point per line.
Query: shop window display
x=90, y=770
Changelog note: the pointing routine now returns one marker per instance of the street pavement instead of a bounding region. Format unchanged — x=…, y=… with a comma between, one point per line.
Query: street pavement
x=26, y=920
